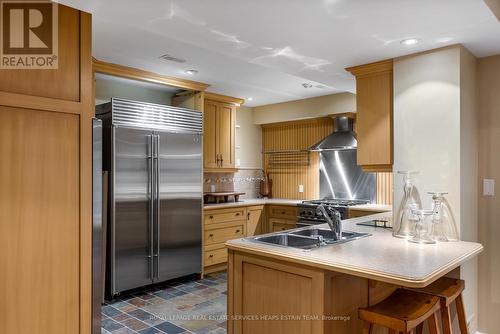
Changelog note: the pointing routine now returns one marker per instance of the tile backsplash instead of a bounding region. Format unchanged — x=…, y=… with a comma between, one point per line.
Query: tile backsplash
x=245, y=180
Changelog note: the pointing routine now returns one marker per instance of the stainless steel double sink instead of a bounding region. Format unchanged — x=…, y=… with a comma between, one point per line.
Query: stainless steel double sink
x=308, y=238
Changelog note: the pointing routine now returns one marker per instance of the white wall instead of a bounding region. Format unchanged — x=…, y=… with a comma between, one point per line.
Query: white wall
x=435, y=133
x=248, y=140
x=306, y=108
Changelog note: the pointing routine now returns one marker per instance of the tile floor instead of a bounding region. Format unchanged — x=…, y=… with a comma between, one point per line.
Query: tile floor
x=188, y=306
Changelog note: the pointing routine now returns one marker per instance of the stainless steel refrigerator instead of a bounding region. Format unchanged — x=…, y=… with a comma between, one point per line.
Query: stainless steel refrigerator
x=154, y=157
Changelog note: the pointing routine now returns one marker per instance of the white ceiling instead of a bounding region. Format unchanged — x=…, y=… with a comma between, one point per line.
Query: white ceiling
x=266, y=49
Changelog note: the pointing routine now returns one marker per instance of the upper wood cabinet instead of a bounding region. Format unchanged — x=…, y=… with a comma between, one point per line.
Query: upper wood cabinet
x=219, y=125
x=374, y=121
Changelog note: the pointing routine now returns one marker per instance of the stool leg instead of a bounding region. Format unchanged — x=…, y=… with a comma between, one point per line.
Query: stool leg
x=420, y=329
x=445, y=318
x=459, y=302
x=433, y=327
x=367, y=328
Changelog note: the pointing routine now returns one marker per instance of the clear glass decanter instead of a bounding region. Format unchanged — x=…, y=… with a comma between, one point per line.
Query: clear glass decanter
x=404, y=224
x=444, y=227
x=423, y=227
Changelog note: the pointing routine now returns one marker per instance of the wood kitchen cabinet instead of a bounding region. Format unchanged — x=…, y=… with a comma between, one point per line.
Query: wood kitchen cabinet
x=374, y=121
x=46, y=188
x=281, y=217
x=219, y=125
x=255, y=220
x=220, y=225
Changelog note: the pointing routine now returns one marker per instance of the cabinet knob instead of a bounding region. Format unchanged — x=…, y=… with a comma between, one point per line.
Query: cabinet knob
x=283, y=212
x=211, y=217
x=211, y=235
x=237, y=231
x=237, y=213
x=211, y=255
x=248, y=216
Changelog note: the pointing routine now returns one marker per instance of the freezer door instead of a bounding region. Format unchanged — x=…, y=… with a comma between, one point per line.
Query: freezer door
x=133, y=205
x=178, y=223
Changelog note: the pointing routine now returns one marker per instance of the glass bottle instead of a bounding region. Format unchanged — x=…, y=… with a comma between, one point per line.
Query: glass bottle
x=444, y=227
x=404, y=224
x=423, y=227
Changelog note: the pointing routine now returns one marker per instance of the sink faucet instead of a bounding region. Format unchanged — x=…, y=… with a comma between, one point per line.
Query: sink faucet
x=335, y=223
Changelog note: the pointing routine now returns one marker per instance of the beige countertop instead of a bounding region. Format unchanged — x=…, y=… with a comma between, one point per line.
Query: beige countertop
x=280, y=201
x=372, y=207
x=380, y=256
x=253, y=201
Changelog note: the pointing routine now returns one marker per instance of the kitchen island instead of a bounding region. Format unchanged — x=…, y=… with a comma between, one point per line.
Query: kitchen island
x=277, y=289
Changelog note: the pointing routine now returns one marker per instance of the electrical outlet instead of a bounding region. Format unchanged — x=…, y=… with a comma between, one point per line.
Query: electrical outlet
x=212, y=188
x=301, y=188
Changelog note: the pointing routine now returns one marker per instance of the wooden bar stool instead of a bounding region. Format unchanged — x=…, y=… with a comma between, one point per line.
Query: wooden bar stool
x=401, y=312
x=448, y=290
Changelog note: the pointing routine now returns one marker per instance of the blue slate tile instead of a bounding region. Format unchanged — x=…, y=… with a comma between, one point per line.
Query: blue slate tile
x=110, y=325
x=150, y=330
x=110, y=311
x=170, y=328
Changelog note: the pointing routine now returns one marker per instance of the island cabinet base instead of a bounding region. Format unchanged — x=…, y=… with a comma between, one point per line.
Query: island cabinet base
x=271, y=296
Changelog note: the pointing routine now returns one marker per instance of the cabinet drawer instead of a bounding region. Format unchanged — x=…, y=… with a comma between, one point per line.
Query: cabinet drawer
x=220, y=233
x=225, y=215
x=215, y=256
x=282, y=211
x=276, y=225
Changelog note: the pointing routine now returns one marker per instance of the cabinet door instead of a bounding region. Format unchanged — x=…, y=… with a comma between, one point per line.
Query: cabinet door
x=210, y=135
x=374, y=121
x=374, y=99
x=254, y=221
x=226, y=126
x=277, y=225
x=39, y=222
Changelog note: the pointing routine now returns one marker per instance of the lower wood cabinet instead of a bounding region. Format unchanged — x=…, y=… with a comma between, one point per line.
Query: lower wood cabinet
x=281, y=217
x=284, y=297
x=255, y=220
x=277, y=224
x=220, y=225
x=222, y=232
x=214, y=255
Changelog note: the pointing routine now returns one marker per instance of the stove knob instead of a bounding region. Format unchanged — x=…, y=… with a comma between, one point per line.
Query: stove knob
x=303, y=212
x=310, y=213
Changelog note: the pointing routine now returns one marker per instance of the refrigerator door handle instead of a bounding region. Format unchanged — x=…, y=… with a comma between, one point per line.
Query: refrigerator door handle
x=157, y=203
x=151, y=204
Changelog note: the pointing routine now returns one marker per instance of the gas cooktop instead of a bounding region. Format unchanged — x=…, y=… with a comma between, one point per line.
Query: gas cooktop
x=337, y=201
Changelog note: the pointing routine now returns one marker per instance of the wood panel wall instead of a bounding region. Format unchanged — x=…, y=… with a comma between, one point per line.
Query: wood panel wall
x=46, y=188
x=292, y=172
x=384, y=188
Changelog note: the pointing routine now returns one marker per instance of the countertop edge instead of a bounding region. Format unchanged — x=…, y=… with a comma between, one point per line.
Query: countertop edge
x=357, y=271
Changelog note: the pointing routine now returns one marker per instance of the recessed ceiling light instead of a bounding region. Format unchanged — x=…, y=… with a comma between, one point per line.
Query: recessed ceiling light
x=307, y=85
x=249, y=98
x=191, y=72
x=410, y=41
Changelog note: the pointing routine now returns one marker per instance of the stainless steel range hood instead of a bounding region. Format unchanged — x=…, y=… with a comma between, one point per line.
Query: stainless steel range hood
x=342, y=137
